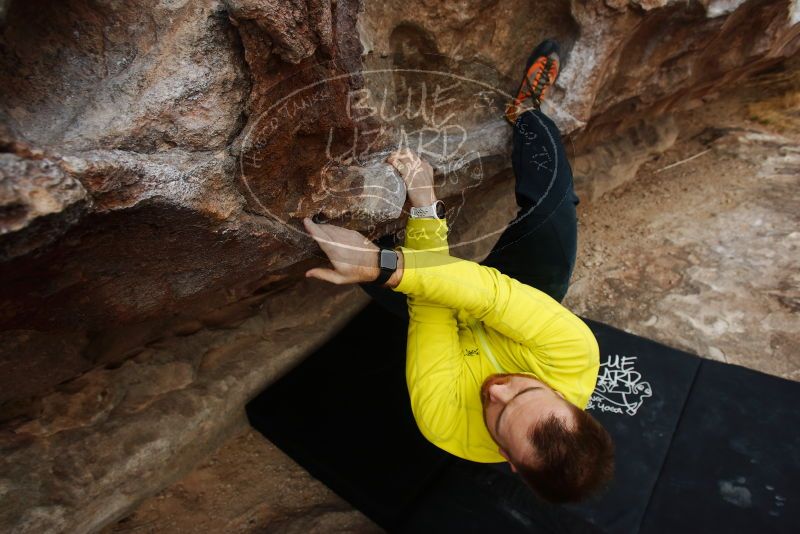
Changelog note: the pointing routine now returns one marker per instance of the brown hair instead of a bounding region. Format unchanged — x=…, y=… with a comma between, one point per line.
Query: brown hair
x=569, y=464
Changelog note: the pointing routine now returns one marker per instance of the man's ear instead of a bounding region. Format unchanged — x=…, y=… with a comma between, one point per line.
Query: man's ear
x=504, y=454
x=560, y=394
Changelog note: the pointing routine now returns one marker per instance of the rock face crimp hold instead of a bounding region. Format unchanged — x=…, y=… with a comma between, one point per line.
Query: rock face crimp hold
x=157, y=158
x=32, y=190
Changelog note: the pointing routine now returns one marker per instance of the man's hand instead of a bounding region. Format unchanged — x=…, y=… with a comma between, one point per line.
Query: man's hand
x=417, y=175
x=353, y=256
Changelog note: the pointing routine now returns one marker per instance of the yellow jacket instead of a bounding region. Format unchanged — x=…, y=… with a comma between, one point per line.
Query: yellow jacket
x=469, y=321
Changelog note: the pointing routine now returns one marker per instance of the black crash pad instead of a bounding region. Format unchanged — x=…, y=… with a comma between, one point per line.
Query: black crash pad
x=701, y=446
x=734, y=461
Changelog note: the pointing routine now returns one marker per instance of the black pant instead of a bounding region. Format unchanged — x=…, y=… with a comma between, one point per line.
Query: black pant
x=538, y=246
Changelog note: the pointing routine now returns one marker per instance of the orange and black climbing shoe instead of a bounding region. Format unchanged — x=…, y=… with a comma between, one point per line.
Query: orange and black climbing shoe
x=541, y=72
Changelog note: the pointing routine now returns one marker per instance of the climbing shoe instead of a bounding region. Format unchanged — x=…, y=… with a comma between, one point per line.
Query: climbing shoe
x=541, y=72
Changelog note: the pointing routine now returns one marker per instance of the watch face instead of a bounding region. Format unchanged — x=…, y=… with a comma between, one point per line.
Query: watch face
x=388, y=259
x=440, y=212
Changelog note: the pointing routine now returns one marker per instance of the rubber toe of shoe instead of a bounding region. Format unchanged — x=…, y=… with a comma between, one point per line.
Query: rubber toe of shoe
x=545, y=48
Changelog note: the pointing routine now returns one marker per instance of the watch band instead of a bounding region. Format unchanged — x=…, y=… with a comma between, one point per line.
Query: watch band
x=434, y=211
x=387, y=260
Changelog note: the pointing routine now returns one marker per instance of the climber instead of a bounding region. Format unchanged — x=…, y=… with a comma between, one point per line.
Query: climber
x=497, y=369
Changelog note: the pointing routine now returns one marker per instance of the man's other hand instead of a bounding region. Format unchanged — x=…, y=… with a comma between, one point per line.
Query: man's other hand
x=417, y=175
x=353, y=256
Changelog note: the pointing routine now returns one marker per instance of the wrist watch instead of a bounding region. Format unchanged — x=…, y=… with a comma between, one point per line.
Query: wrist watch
x=387, y=260
x=434, y=211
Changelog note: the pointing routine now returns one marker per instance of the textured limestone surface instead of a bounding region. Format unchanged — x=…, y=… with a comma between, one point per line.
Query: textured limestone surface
x=102, y=441
x=157, y=157
x=258, y=489
x=701, y=251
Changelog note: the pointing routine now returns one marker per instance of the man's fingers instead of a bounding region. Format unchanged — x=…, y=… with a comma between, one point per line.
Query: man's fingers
x=312, y=227
x=402, y=158
x=322, y=236
x=397, y=163
x=328, y=275
x=338, y=243
x=328, y=235
x=318, y=231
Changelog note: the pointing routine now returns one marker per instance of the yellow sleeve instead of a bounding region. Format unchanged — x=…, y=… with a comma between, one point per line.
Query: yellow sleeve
x=433, y=354
x=516, y=310
x=433, y=367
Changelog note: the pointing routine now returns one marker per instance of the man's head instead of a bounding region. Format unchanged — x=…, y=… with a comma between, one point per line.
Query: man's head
x=557, y=448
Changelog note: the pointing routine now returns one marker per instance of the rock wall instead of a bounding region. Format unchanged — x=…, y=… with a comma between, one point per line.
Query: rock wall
x=157, y=156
